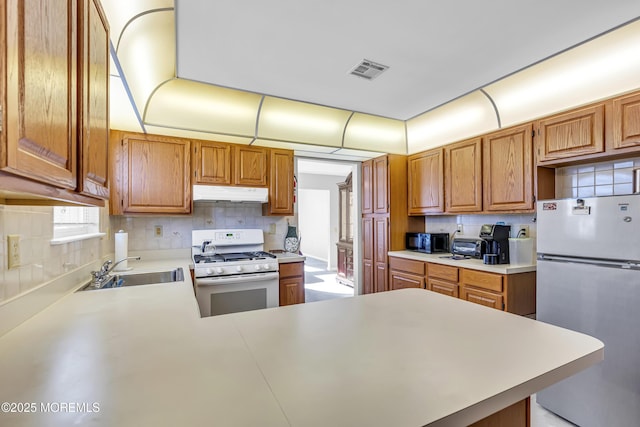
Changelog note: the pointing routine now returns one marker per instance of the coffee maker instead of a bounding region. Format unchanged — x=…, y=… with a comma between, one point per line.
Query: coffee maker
x=497, y=238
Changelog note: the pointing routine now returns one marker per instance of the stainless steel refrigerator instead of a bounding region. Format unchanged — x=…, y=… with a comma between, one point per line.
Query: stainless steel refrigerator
x=588, y=280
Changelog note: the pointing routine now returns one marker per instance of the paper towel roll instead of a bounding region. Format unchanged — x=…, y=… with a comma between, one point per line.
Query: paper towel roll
x=122, y=244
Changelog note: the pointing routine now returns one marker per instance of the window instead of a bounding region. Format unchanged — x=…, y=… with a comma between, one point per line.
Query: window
x=75, y=223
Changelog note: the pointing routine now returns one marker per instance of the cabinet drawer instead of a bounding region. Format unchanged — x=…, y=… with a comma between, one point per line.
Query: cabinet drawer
x=442, y=287
x=443, y=272
x=401, y=280
x=291, y=269
x=480, y=279
x=478, y=296
x=408, y=265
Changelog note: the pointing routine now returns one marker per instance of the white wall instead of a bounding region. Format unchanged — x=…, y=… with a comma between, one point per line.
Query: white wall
x=327, y=183
x=314, y=214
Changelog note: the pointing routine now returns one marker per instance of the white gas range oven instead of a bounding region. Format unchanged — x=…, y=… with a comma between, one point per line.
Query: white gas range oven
x=232, y=271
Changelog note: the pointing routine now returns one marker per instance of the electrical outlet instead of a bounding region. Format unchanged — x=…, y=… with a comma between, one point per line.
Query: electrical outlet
x=157, y=230
x=523, y=231
x=459, y=229
x=13, y=250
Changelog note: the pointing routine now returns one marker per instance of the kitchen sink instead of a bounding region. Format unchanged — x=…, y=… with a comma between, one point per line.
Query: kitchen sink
x=124, y=280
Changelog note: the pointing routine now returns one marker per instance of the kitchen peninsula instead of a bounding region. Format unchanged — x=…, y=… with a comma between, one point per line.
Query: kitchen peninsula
x=401, y=358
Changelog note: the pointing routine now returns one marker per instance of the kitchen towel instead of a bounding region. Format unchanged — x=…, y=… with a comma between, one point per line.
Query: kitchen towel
x=122, y=243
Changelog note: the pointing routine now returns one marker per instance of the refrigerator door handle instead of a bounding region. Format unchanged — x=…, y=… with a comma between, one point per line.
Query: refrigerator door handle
x=626, y=265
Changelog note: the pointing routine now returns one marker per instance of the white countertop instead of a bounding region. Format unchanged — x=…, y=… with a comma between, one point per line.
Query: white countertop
x=284, y=257
x=475, y=264
x=145, y=357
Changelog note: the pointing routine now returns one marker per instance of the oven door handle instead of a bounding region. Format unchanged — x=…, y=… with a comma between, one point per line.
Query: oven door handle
x=257, y=277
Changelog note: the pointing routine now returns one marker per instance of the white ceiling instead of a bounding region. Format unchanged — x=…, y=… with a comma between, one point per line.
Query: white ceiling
x=437, y=50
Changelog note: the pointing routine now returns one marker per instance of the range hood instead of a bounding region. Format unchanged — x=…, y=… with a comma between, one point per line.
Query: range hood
x=216, y=193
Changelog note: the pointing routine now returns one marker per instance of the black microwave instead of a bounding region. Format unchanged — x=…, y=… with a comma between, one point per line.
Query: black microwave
x=427, y=242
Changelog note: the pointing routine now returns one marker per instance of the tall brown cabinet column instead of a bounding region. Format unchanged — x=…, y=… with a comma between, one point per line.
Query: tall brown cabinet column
x=385, y=218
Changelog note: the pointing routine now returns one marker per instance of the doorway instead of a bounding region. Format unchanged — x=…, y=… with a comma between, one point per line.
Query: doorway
x=318, y=222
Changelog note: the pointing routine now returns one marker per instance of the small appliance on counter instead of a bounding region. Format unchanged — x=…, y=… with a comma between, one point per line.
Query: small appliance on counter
x=468, y=247
x=497, y=238
x=427, y=242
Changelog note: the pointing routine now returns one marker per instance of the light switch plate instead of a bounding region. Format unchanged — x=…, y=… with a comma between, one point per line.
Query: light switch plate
x=13, y=250
x=158, y=231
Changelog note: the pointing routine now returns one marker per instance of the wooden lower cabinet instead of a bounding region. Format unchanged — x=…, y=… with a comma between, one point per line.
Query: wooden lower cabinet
x=291, y=283
x=443, y=279
x=514, y=293
x=516, y=415
x=406, y=273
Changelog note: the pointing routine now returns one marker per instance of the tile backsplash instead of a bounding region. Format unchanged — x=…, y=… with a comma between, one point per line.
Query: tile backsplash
x=597, y=179
x=472, y=223
x=41, y=262
x=176, y=230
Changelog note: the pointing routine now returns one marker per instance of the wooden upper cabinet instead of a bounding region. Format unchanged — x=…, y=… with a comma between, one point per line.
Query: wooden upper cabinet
x=574, y=133
x=281, y=191
x=154, y=175
x=250, y=166
x=41, y=91
x=463, y=176
x=94, y=107
x=212, y=162
x=380, y=185
x=367, y=187
x=508, y=169
x=426, y=182
x=626, y=121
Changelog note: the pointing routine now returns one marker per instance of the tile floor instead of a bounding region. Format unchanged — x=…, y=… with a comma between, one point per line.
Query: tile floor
x=320, y=284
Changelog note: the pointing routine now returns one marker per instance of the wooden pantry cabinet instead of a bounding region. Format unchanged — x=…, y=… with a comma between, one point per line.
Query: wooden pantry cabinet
x=384, y=188
x=151, y=174
x=291, y=283
x=54, y=112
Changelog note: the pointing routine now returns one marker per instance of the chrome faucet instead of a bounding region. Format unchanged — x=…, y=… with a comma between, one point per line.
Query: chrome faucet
x=100, y=277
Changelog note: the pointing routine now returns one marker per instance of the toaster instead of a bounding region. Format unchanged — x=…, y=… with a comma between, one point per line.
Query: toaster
x=474, y=248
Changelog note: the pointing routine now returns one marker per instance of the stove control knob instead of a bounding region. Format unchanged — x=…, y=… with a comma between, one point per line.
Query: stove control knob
x=219, y=270
x=258, y=267
x=208, y=271
x=239, y=268
x=266, y=266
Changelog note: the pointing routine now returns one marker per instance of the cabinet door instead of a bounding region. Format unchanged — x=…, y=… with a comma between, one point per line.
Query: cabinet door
x=401, y=280
x=212, y=163
x=575, y=133
x=463, y=176
x=442, y=287
x=156, y=175
x=367, y=187
x=291, y=291
x=626, y=121
x=94, y=107
x=380, y=190
x=367, y=255
x=281, y=182
x=381, y=247
x=41, y=97
x=426, y=182
x=250, y=166
x=508, y=170
x=488, y=299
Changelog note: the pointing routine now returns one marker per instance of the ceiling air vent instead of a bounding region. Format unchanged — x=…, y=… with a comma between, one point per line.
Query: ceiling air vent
x=368, y=69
